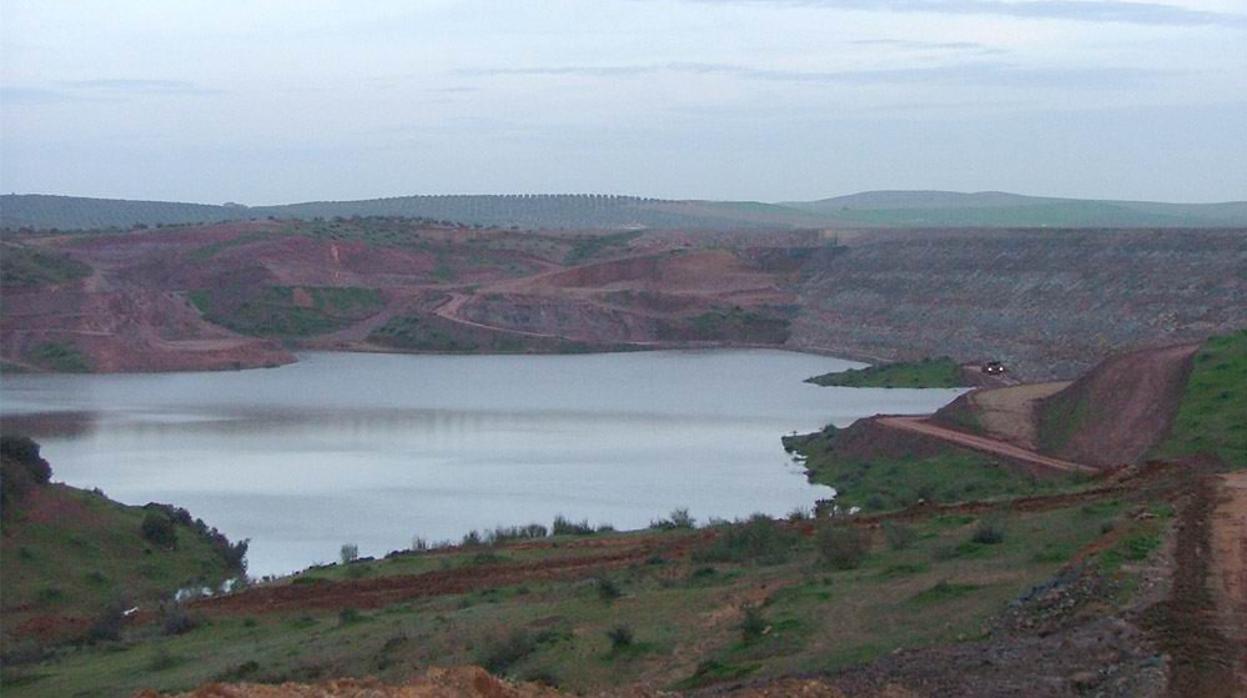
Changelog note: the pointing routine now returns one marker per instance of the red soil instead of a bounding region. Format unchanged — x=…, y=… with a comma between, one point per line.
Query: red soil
x=1130, y=400
x=465, y=682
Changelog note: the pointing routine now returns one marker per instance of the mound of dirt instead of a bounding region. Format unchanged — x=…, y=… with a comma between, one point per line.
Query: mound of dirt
x=457, y=682
x=1119, y=410
x=1008, y=414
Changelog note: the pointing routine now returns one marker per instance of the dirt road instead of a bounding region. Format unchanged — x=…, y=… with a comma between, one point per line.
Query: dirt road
x=919, y=424
x=1228, y=571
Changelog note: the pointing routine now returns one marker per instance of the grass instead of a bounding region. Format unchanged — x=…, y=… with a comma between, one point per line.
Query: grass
x=23, y=266
x=942, y=372
x=585, y=248
x=58, y=356
x=679, y=620
x=885, y=484
x=1212, y=417
x=95, y=552
x=213, y=249
x=1060, y=417
x=285, y=311
x=736, y=324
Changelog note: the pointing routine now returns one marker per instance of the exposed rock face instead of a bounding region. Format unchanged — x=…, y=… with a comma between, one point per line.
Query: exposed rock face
x=1049, y=303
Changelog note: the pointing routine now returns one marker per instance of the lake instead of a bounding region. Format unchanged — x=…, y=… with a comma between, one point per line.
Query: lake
x=374, y=449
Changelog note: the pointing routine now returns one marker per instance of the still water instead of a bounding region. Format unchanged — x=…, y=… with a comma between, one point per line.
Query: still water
x=375, y=449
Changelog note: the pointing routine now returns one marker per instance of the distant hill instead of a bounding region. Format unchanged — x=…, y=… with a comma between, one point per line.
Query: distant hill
x=528, y=211
x=867, y=209
x=1001, y=209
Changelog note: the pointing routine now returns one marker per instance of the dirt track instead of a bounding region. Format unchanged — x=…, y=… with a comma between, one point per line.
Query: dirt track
x=1228, y=571
x=919, y=424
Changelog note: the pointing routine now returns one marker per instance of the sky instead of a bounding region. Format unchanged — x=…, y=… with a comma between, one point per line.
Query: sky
x=772, y=100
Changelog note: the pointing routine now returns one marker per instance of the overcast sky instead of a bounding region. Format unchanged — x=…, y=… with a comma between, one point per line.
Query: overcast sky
x=273, y=102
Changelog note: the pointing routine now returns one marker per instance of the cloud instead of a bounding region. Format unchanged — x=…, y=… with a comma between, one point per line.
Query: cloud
x=976, y=73
x=946, y=46
x=1073, y=10
x=12, y=94
x=138, y=86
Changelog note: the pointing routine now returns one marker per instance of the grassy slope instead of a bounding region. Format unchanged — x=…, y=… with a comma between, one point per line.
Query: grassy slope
x=684, y=616
x=72, y=552
x=895, y=482
x=1212, y=418
x=24, y=266
x=928, y=373
x=274, y=312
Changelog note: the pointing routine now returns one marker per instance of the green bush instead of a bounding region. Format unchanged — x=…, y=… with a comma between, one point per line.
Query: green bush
x=620, y=636
x=759, y=540
x=753, y=624
x=898, y=536
x=499, y=655
x=608, y=590
x=565, y=527
x=158, y=528
x=990, y=531
x=843, y=546
x=679, y=518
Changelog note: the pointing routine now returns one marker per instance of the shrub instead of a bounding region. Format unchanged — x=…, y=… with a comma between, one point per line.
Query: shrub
x=162, y=660
x=758, y=540
x=565, y=527
x=679, y=518
x=990, y=531
x=349, y=553
x=608, y=590
x=418, y=544
x=620, y=637
x=502, y=534
x=842, y=546
x=898, y=536
x=753, y=624
x=107, y=625
x=499, y=655
x=347, y=616
x=176, y=620
x=235, y=555
x=158, y=528
x=25, y=451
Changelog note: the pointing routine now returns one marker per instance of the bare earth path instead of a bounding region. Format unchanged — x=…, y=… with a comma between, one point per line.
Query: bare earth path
x=1228, y=573
x=919, y=424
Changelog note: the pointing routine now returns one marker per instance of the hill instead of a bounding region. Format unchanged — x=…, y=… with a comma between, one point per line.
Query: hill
x=600, y=211
x=74, y=559
x=562, y=211
x=236, y=295
x=1000, y=209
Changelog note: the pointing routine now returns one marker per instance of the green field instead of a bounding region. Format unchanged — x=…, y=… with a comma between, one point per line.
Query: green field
x=928, y=373
x=1212, y=417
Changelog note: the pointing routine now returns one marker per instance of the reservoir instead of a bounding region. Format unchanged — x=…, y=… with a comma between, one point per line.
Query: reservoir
x=375, y=449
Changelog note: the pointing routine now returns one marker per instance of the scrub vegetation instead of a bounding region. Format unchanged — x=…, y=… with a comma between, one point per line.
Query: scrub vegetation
x=942, y=372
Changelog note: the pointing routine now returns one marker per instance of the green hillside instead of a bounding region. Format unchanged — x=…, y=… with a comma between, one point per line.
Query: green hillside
x=75, y=553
